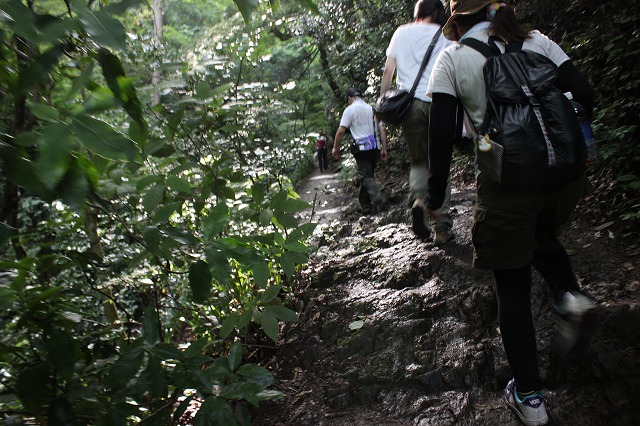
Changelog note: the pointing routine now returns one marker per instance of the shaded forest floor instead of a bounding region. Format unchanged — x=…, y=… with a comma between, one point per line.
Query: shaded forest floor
x=396, y=331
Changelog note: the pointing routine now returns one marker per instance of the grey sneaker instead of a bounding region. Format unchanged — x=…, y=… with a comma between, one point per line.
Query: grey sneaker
x=530, y=409
x=418, y=220
x=576, y=321
x=442, y=236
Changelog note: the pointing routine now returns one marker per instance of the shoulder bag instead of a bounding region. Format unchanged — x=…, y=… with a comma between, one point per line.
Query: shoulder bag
x=392, y=106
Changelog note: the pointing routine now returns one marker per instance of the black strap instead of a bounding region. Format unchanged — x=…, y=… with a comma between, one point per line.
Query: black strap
x=425, y=61
x=490, y=48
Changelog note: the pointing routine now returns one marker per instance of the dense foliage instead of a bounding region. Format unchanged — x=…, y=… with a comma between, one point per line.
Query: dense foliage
x=146, y=248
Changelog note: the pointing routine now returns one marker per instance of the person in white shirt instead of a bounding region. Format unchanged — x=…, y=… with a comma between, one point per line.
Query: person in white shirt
x=367, y=148
x=404, y=57
x=512, y=230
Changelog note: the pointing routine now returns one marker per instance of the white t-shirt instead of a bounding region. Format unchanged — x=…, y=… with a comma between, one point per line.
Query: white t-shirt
x=408, y=46
x=358, y=118
x=458, y=70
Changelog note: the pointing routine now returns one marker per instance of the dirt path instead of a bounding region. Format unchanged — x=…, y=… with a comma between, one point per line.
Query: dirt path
x=395, y=331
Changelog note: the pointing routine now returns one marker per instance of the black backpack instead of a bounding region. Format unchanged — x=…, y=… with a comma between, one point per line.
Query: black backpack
x=534, y=132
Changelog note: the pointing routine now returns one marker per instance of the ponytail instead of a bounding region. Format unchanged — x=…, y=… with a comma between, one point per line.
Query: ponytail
x=504, y=23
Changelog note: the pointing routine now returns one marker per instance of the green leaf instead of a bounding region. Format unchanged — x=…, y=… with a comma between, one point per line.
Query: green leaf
x=293, y=205
x=180, y=236
x=125, y=367
x=20, y=19
x=153, y=197
x=179, y=184
x=103, y=29
x=200, y=281
x=216, y=221
x=165, y=351
x=33, y=386
x=286, y=220
x=75, y=187
x=296, y=246
x=228, y=323
x=44, y=112
x=150, y=325
x=215, y=411
x=288, y=264
x=203, y=90
x=261, y=274
x=152, y=238
x=81, y=81
x=246, y=7
x=39, y=70
x=153, y=378
x=22, y=172
x=270, y=293
x=242, y=390
x=164, y=212
x=235, y=356
x=54, y=159
x=258, y=191
x=270, y=325
x=256, y=374
x=62, y=352
x=101, y=139
x=265, y=217
x=7, y=296
x=282, y=313
x=122, y=87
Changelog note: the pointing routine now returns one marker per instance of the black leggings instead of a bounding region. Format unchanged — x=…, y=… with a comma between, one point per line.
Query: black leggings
x=513, y=290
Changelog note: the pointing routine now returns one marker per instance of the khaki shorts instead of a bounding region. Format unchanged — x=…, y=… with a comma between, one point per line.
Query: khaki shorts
x=508, y=226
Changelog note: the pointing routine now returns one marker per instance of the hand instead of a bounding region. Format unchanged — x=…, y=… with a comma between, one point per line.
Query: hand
x=335, y=153
x=383, y=154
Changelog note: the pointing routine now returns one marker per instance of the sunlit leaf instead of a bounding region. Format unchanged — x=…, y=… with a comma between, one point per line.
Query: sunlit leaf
x=270, y=325
x=261, y=274
x=270, y=293
x=246, y=7
x=101, y=139
x=103, y=29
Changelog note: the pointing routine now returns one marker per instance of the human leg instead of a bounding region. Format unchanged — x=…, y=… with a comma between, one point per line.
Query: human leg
x=513, y=290
x=369, y=195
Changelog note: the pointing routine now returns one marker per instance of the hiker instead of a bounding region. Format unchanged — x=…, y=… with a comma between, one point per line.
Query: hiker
x=512, y=230
x=321, y=149
x=358, y=119
x=404, y=56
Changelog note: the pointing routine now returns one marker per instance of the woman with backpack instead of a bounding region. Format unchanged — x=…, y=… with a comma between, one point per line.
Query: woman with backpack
x=513, y=229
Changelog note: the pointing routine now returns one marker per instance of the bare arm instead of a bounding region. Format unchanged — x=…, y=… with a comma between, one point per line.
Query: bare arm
x=387, y=75
x=335, y=153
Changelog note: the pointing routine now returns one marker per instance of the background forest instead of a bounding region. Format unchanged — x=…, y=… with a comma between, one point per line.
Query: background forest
x=148, y=230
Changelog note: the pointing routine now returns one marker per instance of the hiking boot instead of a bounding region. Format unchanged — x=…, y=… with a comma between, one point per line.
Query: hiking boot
x=418, y=220
x=442, y=236
x=530, y=409
x=576, y=321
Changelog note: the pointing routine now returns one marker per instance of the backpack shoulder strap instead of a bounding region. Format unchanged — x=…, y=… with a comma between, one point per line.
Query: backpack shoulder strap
x=481, y=47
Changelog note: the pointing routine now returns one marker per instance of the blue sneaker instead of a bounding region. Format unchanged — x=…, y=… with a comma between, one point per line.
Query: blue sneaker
x=530, y=409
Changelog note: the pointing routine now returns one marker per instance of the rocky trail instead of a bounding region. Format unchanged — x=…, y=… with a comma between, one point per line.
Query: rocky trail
x=396, y=331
